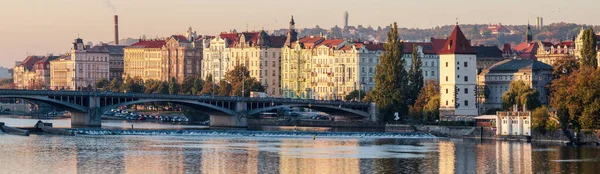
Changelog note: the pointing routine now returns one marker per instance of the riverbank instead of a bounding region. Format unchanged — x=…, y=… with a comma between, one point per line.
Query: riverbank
x=487, y=134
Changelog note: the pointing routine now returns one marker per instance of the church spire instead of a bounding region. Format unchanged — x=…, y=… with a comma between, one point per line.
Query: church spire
x=292, y=35
x=292, y=23
x=528, y=34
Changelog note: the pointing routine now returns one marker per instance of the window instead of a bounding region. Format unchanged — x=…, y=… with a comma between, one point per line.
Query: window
x=466, y=78
x=465, y=64
x=446, y=102
x=273, y=63
x=426, y=73
x=446, y=90
x=432, y=73
x=446, y=64
x=266, y=63
x=466, y=102
x=446, y=78
x=466, y=90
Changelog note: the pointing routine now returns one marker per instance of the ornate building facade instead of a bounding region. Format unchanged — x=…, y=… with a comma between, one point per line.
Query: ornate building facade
x=144, y=59
x=84, y=67
x=495, y=80
x=258, y=51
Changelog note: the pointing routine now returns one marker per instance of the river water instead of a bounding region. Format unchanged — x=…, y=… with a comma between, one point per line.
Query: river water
x=268, y=153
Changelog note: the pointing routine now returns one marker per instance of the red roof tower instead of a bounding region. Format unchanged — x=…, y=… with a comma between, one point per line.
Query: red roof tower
x=457, y=43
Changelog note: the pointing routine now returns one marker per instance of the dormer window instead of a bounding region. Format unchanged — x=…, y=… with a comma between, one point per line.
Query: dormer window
x=462, y=47
x=450, y=45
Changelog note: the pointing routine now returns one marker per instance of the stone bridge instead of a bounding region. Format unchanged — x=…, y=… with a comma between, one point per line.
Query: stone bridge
x=87, y=106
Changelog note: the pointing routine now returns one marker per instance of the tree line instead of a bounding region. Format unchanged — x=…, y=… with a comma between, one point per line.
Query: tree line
x=234, y=83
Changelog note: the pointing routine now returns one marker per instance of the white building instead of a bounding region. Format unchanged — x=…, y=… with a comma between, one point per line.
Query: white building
x=513, y=123
x=85, y=66
x=495, y=80
x=458, y=73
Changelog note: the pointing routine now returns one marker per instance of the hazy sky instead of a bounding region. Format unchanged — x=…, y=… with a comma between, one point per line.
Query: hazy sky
x=49, y=26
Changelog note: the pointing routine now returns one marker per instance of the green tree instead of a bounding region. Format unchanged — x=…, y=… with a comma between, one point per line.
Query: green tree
x=224, y=88
x=564, y=67
x=162, y=88
x=151, y=86
x=173, y=86
x=197, y=86
x=577, y=99
x=115, y=85
x=102, y=83
x=426, y=107
x=186, y=85
x=132, y=86
x=415, y=76
x=588, y=51
x=353, y=95
x=240, y=80
x=391, y=79
x=209, y=86
x=520, y=94
x=540, y=119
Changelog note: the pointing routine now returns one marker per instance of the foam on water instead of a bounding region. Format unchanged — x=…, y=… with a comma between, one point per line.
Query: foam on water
x=254, y=133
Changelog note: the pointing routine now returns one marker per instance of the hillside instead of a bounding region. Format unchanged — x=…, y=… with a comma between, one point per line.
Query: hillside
x=554, y=32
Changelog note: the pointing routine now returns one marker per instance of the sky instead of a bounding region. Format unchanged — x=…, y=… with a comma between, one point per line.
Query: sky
x=40, y=27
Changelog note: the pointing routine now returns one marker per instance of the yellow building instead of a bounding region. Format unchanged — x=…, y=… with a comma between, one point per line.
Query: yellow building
x=258, y=51
x=61, y=70
x=144, y=59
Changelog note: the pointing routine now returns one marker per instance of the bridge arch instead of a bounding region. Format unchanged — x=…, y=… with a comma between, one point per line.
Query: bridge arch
x=322, y=108
x=182, y=102
x=53, y=102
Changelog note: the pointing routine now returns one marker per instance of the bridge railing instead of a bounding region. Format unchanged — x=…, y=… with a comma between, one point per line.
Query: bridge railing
x=184, y=97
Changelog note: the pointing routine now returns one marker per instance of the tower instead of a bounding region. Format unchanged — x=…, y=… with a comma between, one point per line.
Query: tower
x=528, y=34
x=345, y=19
x=458, y=72
x=292, y=35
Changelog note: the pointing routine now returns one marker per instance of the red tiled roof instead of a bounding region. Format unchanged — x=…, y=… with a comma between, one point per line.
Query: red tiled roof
x=374, y=46
x=437, y=44
x=30, y=61
x=180, y=38
x=149, y=44
x=457, y=43
x=310, y=42
x=331, y=43
x=526, y=50
x=547, y=44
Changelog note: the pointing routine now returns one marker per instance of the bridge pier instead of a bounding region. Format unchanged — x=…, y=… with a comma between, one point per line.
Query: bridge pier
x=239, y=120
x=83, y=119
x=373, y=112
x=91, y=118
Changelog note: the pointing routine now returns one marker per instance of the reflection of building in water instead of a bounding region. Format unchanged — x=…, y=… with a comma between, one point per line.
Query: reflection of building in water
x=325, y=160
x=457, y=157
x=154, y=159
x=221, y=156
x=513, y=157
x=92, y=158
x=447, y=157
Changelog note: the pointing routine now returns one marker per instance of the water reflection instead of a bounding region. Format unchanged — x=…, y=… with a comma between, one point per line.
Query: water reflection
x=192, y=154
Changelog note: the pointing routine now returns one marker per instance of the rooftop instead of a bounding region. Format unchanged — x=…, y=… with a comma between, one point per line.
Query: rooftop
x=515, y=65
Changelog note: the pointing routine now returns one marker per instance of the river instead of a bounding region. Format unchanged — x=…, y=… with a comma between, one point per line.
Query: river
x=235, y=153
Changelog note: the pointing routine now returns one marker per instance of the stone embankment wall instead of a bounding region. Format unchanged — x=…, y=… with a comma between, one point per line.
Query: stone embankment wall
x=310, y=123
x=445, y=131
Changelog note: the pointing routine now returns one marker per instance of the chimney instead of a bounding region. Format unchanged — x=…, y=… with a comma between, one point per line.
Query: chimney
x=116, y=30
